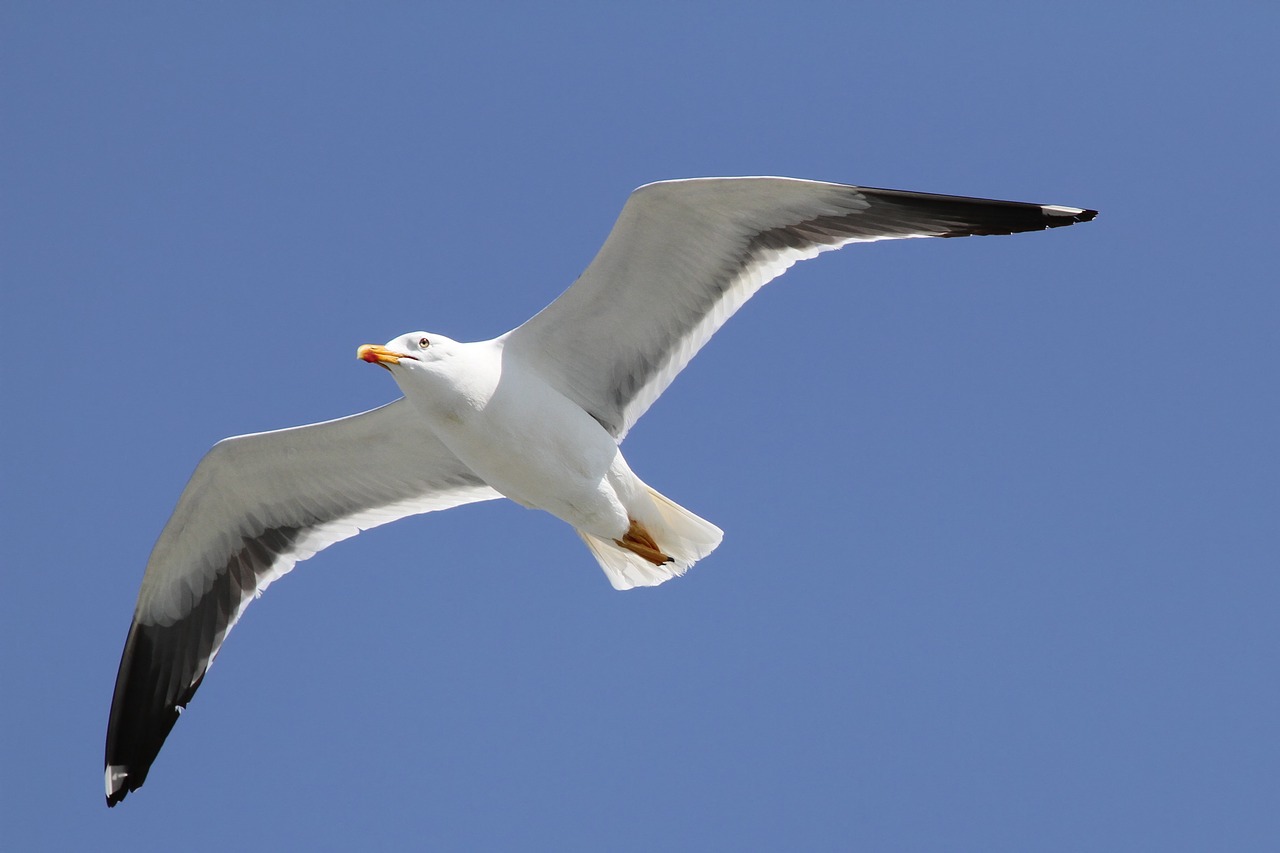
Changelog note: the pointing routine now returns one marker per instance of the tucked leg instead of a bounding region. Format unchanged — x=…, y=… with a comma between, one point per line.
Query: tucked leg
x=638, y=541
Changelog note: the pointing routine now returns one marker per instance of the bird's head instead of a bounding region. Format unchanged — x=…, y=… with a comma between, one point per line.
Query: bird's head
x=410, y=351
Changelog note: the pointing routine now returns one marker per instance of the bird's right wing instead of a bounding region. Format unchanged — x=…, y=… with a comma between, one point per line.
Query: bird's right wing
x=255, y=506
x=685, y=255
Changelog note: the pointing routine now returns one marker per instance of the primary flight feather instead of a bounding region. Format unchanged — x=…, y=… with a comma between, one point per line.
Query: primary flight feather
x=535, y=415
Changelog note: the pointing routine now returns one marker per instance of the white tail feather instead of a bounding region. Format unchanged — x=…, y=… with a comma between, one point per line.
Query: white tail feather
x=681, y=535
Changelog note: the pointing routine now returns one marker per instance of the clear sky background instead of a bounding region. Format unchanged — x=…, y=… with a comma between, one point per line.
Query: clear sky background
x=1001, y=514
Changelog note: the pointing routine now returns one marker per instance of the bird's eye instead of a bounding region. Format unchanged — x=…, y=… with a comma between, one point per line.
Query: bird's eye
x=423, y=343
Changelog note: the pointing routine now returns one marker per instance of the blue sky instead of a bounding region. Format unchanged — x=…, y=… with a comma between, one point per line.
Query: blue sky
x=1000, y=567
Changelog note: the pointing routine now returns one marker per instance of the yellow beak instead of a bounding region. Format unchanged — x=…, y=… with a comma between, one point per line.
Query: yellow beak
x=375, y=354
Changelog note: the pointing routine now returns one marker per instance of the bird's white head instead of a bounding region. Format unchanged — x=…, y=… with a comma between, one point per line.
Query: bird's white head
x=409, y=351
x=440, y=374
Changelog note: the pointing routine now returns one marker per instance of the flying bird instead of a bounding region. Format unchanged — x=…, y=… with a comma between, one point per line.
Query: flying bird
x=535, y=415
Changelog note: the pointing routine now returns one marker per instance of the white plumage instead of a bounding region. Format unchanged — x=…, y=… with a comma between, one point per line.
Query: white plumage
x=536, y=415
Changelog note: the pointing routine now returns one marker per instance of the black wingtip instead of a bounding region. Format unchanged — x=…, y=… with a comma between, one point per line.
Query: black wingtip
x=119, y=785
x=1056, y=215
x=147, y=702
x=116, y=797
x=904, y=213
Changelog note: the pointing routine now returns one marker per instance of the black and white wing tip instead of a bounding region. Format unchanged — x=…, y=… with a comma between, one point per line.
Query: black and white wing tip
x=1057, y=215
x=898, y=213
x=141, y=718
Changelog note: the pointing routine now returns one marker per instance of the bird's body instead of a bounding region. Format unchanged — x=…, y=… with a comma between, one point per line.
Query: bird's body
x=525, y=439
x=536, y=415
x=481, y=407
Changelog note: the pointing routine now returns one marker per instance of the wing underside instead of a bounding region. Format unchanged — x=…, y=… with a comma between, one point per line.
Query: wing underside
x=255, y=506
x=685, y=255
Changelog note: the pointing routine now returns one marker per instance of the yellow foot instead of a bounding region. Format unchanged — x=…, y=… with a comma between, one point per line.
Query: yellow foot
x=638, y=541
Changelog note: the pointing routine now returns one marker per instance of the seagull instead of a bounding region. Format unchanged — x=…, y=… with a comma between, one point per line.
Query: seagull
x=535, y=415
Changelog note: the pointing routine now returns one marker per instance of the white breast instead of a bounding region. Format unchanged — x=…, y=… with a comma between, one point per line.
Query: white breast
x=522, y=436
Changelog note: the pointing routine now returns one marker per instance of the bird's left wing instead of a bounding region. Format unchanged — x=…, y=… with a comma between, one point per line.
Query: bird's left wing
x=684, y=255
x=255, y=506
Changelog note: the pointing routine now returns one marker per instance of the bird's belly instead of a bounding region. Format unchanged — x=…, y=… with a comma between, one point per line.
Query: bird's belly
x=550, y=457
